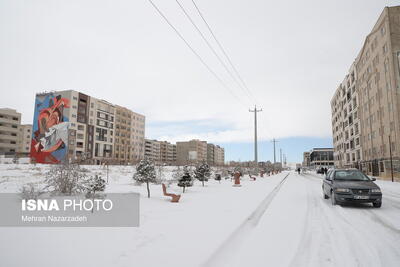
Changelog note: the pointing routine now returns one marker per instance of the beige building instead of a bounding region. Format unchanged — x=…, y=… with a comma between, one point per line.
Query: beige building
x=377, y=78
x=215, y=155
x=346, y=122
x=191, y=152
x=93, y=125
x=129, y=136
x=152, y=150
x=167, y=153
x=379, y=92
x=24, y=142
x=10, y=122
x=306, y=159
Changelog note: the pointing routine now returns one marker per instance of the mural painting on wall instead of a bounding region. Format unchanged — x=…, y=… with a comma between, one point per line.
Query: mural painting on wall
x=50, y=129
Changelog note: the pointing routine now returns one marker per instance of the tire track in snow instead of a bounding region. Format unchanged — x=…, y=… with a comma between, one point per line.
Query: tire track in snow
x=233, y=243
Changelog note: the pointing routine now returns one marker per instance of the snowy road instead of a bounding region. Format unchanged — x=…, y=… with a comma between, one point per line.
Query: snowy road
x=272, y=221
x=300, y=228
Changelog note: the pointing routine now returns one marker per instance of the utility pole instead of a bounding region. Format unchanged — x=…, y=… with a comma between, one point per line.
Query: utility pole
x=280, y=153
x=391, y=158
x=274, y=141
x=255, y=110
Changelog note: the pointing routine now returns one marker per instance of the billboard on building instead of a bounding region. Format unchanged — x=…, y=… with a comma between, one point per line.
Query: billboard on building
x=50, y=128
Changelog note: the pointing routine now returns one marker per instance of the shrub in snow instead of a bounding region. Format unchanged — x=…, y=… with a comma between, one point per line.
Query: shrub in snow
x=186, y=180
x=202, y=172
x=30, y=191
x=145, y=173
x=66, y=179
x=95, y=184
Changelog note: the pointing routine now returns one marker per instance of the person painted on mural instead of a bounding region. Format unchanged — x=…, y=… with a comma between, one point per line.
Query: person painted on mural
x=52, y=131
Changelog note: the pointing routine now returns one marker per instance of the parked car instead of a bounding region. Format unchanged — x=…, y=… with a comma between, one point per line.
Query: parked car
x=351, y=186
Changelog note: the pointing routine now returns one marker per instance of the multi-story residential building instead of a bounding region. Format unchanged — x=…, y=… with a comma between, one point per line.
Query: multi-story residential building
x=379, y=93
x=25, y=137
x=69, y=125
x=167, y=152
x=306, y=159
x=193, y=151
x=129, y=136
x=152, y=150
x=375, y=117
x=215, y=155
x=346, y=122
x=321, y=157
x=210, y=154
x=10, y=121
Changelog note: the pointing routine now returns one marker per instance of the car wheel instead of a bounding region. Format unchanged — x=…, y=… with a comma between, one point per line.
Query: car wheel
x=377, y=204
x=323, y=193
x=333, y=198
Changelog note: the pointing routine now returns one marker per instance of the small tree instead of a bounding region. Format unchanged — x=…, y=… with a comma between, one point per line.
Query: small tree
x=145, y=173
x=66, y=179
x=202, y=172
x=95, y=184
x=186, y=180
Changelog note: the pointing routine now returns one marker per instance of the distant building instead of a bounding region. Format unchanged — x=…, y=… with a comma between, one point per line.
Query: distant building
x=321, y=157
x=72, y=126
x=25, y=137
x=191, y=152
x=306, y=159
x=10, y=123
x=152, y=150
x=215, y=155
x=167, y=152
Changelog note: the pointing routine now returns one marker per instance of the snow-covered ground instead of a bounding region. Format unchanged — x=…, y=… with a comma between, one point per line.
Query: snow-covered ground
x=267, y=222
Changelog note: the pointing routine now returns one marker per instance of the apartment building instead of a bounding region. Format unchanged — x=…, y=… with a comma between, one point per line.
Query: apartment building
x=10, y=121
x=377, y=146
x=346, y=122
x=306, y=159
x=191, y=152
x=70, y=125
x=167, y=153
x=152, y=150
x=215, y=155
x=129, y=136
x=24, y=140
x=379, y=91
x=321, y=157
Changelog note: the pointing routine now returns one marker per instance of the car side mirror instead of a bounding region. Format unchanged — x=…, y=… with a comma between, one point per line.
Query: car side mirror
x=373, y=178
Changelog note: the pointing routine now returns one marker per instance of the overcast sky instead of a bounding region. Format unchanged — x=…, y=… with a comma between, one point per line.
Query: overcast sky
x=291, y=54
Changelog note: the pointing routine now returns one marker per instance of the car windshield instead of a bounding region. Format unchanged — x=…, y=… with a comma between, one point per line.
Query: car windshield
x=350, y=175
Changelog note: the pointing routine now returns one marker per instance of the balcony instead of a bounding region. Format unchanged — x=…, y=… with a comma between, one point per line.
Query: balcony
x=8, y=129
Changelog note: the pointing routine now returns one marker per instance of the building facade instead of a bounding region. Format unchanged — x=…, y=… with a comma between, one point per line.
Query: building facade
x=215, y=155
x=129, y=136
x=376, y=147
x=152, y=150
x=25, y=137
x=167, y=153
x=306, y=159
x=10, y=122
x=379, y=91
x=321, y=157
x=346, y=122
x=191, y=152
x=69, y=125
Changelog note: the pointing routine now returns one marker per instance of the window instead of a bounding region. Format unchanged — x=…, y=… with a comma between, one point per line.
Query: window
x=385, y=48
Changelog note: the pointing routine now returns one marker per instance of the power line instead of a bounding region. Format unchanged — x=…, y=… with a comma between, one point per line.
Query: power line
x=194, y=52
x=223, y=50
x=212, y=49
